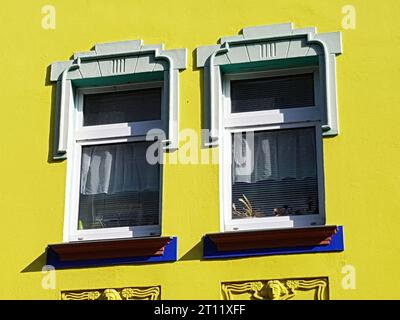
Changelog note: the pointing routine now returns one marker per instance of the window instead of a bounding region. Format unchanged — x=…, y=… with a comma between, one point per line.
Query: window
x=108, y=101
x=116, y=192
x=272, y=172
x=269, y=98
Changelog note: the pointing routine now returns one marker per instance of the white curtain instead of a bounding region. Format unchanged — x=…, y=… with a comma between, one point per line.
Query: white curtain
x=117, y=168
x=274, y=155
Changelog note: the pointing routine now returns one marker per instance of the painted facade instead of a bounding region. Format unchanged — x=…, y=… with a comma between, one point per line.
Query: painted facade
x=359, y=163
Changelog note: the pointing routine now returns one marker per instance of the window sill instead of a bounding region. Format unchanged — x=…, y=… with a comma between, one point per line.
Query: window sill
x=112, y=252
x=273, y=242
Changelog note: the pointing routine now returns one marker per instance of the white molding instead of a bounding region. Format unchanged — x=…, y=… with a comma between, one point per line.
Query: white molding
x=114, y=60
x=269, y=43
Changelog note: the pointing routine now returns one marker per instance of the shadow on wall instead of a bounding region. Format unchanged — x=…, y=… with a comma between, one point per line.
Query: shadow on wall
x=53, y=119
x=204, y=112
x=195, y=253
x=37, y=264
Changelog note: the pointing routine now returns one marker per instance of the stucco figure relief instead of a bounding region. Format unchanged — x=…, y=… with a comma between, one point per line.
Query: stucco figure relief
x=131, y=293
x=287, y=289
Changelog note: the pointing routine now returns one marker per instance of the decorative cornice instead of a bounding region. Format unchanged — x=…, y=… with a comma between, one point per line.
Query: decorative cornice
x=264, y=44
x=130, y=293
x=248, y=46
x=115, y=60
x=286, y=289
x=132, y=55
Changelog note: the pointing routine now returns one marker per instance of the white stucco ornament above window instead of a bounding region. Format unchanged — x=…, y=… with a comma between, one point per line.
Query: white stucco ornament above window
x=270, y=47
x=112, y=64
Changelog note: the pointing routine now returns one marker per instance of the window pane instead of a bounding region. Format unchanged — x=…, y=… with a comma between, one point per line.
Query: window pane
x=119, y=188
x=122, y=106
x=272, y=93
x=274, y=173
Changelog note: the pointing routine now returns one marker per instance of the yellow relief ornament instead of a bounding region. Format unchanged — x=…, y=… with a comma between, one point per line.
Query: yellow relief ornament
x=283, y=289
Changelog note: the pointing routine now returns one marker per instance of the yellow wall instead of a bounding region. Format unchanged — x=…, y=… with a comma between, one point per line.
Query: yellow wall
x=360, y=164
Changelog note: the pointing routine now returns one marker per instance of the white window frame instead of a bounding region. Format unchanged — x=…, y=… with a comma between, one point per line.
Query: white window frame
x=106, y=134
x=287, y=118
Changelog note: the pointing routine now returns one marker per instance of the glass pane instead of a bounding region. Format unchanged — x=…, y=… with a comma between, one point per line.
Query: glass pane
x=119, y=188
x=274, y=173
x=272, y=93
x=122, y=106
